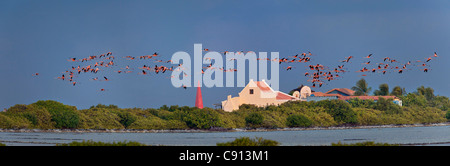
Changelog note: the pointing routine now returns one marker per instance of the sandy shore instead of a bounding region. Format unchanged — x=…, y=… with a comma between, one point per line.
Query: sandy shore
x=218, y=130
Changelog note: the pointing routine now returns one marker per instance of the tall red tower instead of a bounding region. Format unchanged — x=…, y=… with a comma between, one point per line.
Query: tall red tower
x=198, y=98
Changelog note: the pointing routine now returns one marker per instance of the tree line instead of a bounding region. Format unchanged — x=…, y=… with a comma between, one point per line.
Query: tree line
x=362, y=89
x=421, y=106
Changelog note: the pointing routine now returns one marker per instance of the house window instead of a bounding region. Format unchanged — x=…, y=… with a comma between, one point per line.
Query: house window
x=251, y=91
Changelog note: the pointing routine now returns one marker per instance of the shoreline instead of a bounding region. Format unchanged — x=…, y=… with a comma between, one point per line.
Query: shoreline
x=216, y=130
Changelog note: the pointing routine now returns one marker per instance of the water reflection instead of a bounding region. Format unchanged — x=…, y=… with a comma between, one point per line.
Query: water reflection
x=432, y=135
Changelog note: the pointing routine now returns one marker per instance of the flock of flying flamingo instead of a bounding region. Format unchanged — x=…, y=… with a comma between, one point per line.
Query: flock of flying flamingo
x=97, y=63
x=317, y=74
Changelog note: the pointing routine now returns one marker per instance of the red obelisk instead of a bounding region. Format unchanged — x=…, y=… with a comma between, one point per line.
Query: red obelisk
x=198, y=98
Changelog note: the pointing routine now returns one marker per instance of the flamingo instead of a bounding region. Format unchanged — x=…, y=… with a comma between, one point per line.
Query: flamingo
x=62, y=77
x=72, y=60
x=144, y=72
x=347, y=59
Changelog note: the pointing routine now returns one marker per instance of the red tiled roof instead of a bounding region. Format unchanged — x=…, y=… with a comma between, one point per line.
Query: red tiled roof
x=263, y=86
x=343, y=90
x=282, y=96
x=324, y=94
x=366, y=97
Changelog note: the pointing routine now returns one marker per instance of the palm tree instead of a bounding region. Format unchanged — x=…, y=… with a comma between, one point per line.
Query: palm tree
x=398, y=91
x=427, y=92
x=361, y=88
x=383, y=91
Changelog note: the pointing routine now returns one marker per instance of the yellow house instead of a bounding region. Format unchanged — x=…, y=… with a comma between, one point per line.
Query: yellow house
x=259, y=93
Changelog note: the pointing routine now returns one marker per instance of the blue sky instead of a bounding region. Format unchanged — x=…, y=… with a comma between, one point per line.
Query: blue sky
x=39, y=36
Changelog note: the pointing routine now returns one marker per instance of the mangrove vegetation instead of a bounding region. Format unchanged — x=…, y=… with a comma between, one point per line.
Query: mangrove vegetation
x=420, y=107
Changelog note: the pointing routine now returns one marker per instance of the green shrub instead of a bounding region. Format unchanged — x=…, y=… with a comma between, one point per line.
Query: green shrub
x=126, y=118
x=200, y=118
x=175, y=124
x=52, y=114
x=99, y=143
x=369, y=116
x=39, y=117
x=64, y=116
x=104, y=106
x=319, y=117
x=356, y=102
x=148, y=123
x=163, y=114
x=414, y=99
x=13, y=122
x=424, y=115
x=298, y=121
x=254, y=119
x=341, y=111
x=248, y=106
x=387, y=105
x=100, y=118
x=447, y=115
x=232, y=119
x=173, y=108
x=246, y=141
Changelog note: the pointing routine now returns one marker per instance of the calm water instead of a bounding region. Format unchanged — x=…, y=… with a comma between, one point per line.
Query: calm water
x=433, y=135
